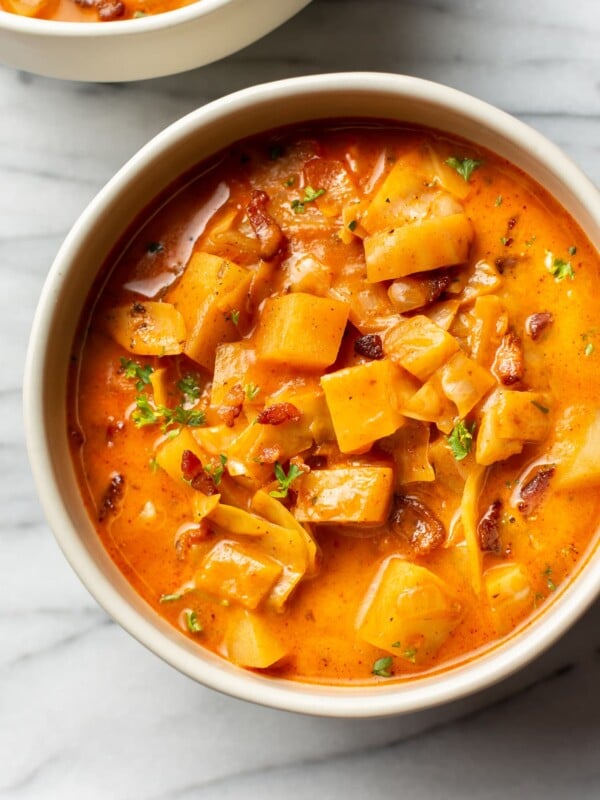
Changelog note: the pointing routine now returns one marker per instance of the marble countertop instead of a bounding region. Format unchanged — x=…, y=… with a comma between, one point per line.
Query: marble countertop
x=87, y=713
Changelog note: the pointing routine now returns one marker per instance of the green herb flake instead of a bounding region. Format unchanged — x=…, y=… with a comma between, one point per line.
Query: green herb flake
x=216, y=472
x=589, y=349
x=153, y=464
x=134, y=371
x=572, y=250
x=559, y=269
x=540, y=407
x=530, y=242
x=397, y=644
x=504, y=240
x=147, y=414
x=464, y=166
x=410, y=654
x=192, y=623
x=189, y=387
x=235, y=316
x=144, y=414
x=310, y=195
x=498, y=201
x=461, y=440
x=549, y=581
x=285, y=481
x=170, y=598
x=251, y=390
x=352, y=225
x=290, y=181
x=139, y=14
x=383, y=667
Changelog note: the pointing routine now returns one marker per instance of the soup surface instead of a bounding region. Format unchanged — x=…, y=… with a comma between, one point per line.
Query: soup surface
x=90, y=10
x=334, y=402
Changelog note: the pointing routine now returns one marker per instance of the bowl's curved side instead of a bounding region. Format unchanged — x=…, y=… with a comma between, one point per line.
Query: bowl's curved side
x=152, y=169
x=128, y=50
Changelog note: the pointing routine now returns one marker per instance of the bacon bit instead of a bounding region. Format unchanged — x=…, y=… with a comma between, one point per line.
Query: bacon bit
x=369, y=345
x=415, y=521
x=232, y=405
x=511, y=223
x=112, y=497
x=508, y=364
x=110, y=10
x=279, y=413
x=533, y=491
x=269, y=455
x=267, y=230
x=505, y=262
x=298, y=462
x=194, y=473
x=488, y=529
x=186, y=539
x=137, y=310
x=536, y=324
x=316, y=462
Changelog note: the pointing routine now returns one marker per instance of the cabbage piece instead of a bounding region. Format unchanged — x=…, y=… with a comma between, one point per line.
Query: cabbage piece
x=509, y=595
x=148, y=328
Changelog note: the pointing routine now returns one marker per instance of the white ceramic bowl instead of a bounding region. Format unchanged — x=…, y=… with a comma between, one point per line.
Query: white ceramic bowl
x=135, y=49
x=171, y=153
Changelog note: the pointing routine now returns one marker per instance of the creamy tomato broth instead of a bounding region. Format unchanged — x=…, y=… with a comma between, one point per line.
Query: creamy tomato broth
x=334, y=407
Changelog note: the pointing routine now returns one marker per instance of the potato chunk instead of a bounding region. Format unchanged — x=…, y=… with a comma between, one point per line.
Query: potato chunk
x=301, y=330
x=581, y=467
x=509, y=594
x=237, y=572
x=209, y=294
x=389, y=206
x=148, y=328
x=407, y=607
x=362, y=403
x=510, y=419
x=418, y=247
x=249, y=642
x=419, y=345
x=353, y=495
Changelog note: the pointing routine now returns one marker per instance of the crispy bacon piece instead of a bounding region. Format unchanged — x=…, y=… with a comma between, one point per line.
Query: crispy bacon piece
x=413, y=520
x=369, y=345
x=267, y=230
x=112, y=497
x=488, y=528
x=232, y=406
x=533, y=491
x=316, y=461
x=185, y=540
x=194, y=473
x=536, y=324
x=278, y=414
x=109, y=10
x=508, y=364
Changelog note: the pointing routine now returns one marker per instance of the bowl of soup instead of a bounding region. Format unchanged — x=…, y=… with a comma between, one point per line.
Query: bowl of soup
x=312, y=399
x=126, y=40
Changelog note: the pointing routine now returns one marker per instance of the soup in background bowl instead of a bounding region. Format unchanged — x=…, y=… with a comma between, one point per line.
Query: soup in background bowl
x=332, y=395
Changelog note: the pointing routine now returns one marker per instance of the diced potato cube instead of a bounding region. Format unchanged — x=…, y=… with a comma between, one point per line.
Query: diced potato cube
x=581, y=468
x=208, y=293
x=160, y=387
x=237, y=572
x=510, y=419
x=407, y=607
x=148, y=328
x=353, y=495
x=419, y=345
x=301, y=330
x=310, y=276
x=418, y=247
x=249, y=642
x=362, y=403
x=465, y=382
x=484, y=280
x=430, y=404
x=509, y=594
x=490, y=325
x=388, y=207
x=238, y=522
x=170, y=451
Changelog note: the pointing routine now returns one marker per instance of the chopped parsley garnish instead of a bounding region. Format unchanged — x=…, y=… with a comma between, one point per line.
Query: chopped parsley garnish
x=147, y=414
x=383, y=667
x=310, y=195
x=589, y=349
x=154, y=247
x=251, y=390
x=153, y=464
x=498, y=201
x=216, y=473
x=572, y=250
x=235, y=316
x=464, y=166
x=461, y=440
x=559, y=269
x=285, y=481
x=504, y=240
x=540, y=407
x=410, y=654
x=549, y=582
x=134, y=371
x=192, y=623
x=189, y=387
x=170, y=598
x=530, y=242
x=352, y=225
x=139, y=14
x=290, y=181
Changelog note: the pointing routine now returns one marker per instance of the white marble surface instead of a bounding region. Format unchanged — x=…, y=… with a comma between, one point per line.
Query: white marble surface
x=85, y=712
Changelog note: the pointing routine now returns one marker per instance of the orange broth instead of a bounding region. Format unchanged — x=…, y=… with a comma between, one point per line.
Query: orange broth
x=466, y=523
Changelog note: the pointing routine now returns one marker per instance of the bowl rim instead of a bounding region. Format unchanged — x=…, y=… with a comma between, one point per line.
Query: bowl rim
x=75, y=29
x=497, y=662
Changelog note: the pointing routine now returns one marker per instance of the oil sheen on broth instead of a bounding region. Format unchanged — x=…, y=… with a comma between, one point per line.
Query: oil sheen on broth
x=334, y=407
